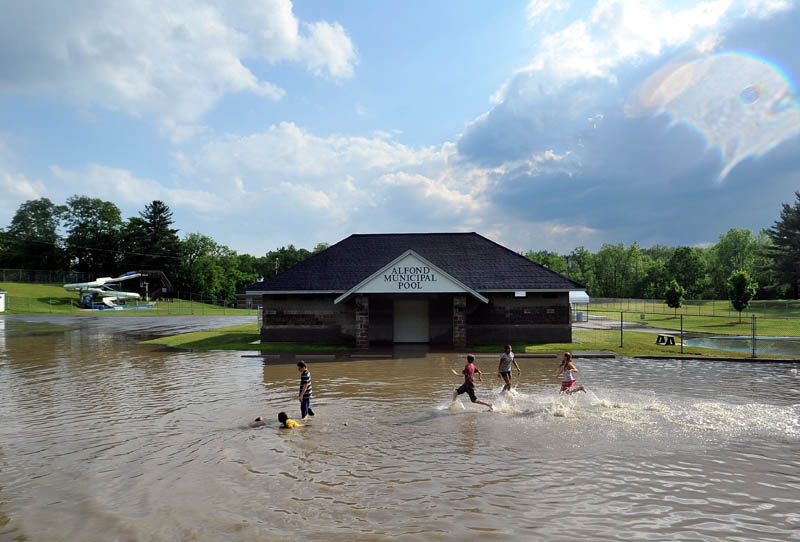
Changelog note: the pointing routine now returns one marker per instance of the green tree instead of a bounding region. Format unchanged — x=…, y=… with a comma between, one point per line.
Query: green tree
x=656, y=279
x=659, y=253
x=4, y=244
x=233, y=279
x=213, y=271
x=784, y=250
x=688, y=267
x=249, y=265
x=149, y=241
x=284, y=258
x=619, y=270
x=551, y=260
x=93, y=230
x=581, y=269
x=741, y=289
x=674, y=295
x=607, y=265
x=738, y=249
x=32, y=241
x=200, y=272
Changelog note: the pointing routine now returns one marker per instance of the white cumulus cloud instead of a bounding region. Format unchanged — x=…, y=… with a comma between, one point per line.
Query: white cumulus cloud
x=295, y=179
x=169, y=60
x=125, y=189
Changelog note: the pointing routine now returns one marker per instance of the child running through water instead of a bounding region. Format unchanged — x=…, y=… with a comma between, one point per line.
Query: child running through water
x=469, y=382
x=504, y=367
x=568, y=382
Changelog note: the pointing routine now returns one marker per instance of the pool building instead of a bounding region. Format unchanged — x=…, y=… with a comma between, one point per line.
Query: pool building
x=450, y=289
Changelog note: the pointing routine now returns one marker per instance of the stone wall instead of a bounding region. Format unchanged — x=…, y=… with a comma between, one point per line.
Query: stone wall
x=308, y=319
x=457, y=319
x=362, y=321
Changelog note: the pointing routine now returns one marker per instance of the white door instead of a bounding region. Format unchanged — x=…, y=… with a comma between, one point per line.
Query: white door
x=411, y=321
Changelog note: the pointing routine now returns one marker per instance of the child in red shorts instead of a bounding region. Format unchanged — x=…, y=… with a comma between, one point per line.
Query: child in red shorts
x=568, y=382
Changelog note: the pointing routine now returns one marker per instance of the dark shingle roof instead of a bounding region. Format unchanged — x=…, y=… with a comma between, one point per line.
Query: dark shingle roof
x=474, y=260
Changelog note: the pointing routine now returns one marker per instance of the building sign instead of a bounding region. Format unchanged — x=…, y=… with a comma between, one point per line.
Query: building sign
x=410, y=274
x=410, y=278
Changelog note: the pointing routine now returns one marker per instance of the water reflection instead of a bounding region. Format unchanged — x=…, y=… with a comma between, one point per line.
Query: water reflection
x=103, y=438
x=781, y=346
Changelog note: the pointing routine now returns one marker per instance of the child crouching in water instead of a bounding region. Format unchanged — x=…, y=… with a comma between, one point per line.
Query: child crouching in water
x=287, y=422
x=568, y=382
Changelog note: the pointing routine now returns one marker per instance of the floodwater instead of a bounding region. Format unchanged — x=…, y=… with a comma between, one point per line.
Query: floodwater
x=765, y=346
x=105, y=439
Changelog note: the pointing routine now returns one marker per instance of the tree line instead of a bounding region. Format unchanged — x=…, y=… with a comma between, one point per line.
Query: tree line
x=765, y=265
x=88, y=234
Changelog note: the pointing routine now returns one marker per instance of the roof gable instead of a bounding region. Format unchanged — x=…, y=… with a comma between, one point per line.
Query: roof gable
x=410, y=272
x=469, y=258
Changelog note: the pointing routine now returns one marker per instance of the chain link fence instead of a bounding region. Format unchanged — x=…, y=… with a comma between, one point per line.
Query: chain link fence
x=699, y=307
x=45, y=276
x=699, y=326
x=69, y=305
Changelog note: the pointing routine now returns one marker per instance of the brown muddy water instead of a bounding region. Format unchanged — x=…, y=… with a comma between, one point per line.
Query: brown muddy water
x=104, y=439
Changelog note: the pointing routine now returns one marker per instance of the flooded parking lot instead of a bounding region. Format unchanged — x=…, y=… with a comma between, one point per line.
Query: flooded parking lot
x=104, y=438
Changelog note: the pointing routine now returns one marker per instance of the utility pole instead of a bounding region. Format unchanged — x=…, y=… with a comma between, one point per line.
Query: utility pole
x=276, y=266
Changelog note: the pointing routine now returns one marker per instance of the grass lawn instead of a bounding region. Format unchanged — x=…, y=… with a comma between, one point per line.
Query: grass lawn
x=718, y=325
x=634, y=344
x=240, y=337
x=25, y=298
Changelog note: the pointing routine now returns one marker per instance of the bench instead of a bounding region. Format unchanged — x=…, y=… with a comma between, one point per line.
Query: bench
x=666, y=340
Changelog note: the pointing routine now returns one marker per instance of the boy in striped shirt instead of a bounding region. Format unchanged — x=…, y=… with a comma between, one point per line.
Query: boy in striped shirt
x=305, y=390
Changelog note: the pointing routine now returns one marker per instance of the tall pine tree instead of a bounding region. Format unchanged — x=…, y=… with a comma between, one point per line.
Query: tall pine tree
x=150, y=242
x=785, y=248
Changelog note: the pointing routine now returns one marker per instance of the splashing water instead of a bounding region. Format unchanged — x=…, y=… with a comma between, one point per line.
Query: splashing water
x=625, y=409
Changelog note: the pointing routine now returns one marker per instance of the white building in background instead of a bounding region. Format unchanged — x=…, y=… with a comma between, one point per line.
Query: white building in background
x=579, y=305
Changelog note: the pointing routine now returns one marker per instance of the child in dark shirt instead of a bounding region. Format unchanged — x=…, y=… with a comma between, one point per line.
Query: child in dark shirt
x=468, y=386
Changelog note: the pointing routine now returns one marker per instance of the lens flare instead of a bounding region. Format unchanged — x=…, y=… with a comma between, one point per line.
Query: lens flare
x=750, y=95
x=744, y=105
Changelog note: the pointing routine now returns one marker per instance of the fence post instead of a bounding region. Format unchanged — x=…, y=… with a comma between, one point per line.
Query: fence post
x=620, y=329
x=753, y=333
x=681, y=334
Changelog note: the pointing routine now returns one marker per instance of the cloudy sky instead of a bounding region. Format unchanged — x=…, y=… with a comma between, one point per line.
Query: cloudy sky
x=541, y=124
